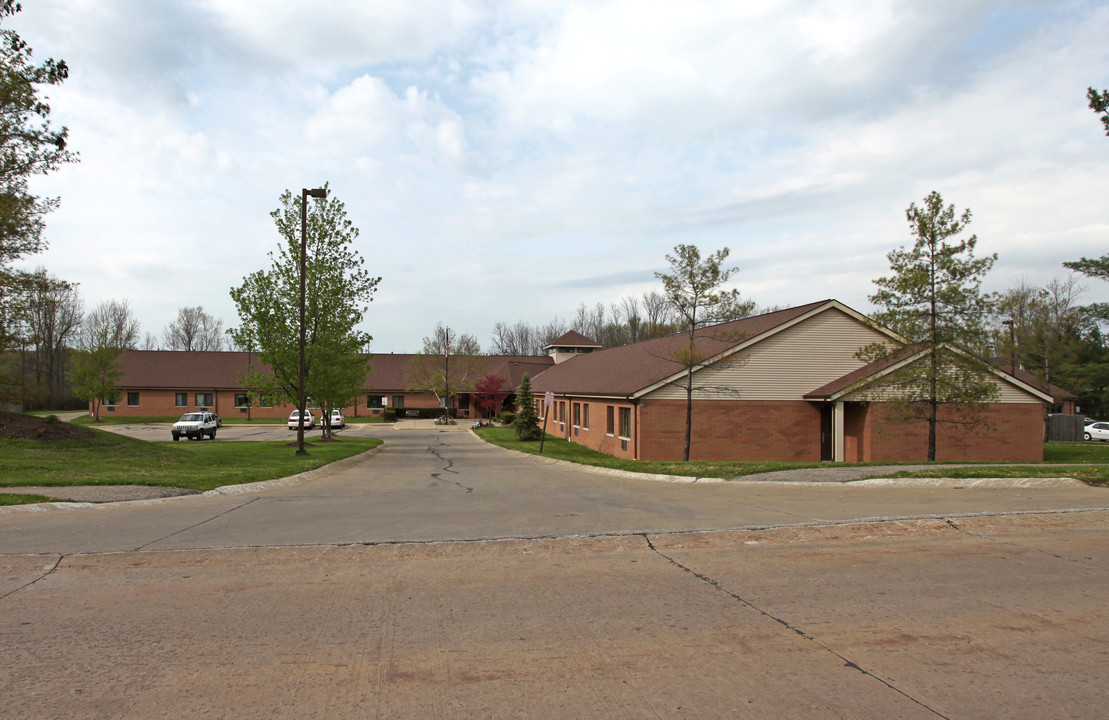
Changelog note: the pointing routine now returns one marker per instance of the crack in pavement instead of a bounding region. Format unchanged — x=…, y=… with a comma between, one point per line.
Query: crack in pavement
x=448, y=466
x=194, y=525
x=48, y=573
x=793, y=628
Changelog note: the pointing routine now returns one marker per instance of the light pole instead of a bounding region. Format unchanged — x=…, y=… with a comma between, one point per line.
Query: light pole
x=304, y=194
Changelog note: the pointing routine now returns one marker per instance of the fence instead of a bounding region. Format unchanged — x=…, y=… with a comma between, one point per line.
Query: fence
x=1063, y=428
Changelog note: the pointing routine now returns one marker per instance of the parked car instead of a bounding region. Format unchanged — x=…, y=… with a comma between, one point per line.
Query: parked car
x=337, y=420
x=195, y=426
x=309, y=420
x=1097, y=431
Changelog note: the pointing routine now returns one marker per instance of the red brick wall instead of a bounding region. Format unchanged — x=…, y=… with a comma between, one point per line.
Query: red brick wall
x=162, y=403
x=1014, y=433
x=731, y=430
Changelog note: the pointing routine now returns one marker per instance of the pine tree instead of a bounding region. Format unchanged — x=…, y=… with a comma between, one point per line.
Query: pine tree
x=527, y=421
x=934, y=300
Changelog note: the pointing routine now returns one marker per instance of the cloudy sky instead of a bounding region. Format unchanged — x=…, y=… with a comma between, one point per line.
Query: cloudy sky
x=510, y=160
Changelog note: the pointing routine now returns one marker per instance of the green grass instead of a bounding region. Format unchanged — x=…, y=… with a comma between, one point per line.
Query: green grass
x=109, y=459
x=1092, y=459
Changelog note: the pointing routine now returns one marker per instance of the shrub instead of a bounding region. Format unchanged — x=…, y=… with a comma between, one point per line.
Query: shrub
x=506, y=417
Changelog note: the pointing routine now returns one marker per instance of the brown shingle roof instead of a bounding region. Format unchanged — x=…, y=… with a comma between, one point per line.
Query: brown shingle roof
x=573, y=338
x=625, y=370
x=181, y=370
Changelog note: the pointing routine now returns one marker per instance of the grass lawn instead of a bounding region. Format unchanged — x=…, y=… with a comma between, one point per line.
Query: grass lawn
x=109, y=459
x=1093, y=459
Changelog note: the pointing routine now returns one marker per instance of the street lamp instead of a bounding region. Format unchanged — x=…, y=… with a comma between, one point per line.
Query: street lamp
x=304, y=195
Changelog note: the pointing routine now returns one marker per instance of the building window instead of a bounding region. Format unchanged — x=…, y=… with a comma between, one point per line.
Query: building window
x=132, y=399
x=464, y=402
x=204, y=400
x=610, y=422
x=577, y=415
x=264, y=401
x=109, y=401
x=375, y=402
x=181, y=399
x=242, y=400
x=398, y=401
x=585, y=416
x=625, y=423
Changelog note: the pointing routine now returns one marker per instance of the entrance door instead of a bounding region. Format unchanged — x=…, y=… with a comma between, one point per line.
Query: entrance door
x=826, y=452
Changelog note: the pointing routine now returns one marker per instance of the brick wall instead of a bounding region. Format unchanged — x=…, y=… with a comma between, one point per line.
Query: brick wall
x=731, y=430
x=1013, y=433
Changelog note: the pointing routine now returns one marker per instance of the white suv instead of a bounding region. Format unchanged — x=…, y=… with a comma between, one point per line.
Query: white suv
x=309, y=420
x=195, y=426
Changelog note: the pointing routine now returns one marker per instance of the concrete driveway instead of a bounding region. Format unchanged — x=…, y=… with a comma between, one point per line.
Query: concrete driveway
x=442, y=577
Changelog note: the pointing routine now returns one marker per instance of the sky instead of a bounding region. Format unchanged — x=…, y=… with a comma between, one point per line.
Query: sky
x=509, y=161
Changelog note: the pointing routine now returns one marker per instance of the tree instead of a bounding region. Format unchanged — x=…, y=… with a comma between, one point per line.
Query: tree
x=1094, y=267
x=449, y=364
x=338, y=290
x=1099, y=103
x=527, y=421
x=693, y=292
x=934, y=300
x=29, y=146
x=489, y=396
x=54, y=319
x=518, y=339
x=107, y=330
x=194, y=329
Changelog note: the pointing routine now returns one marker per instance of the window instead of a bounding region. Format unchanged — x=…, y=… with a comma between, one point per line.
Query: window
x=577, y=414
x=375, y=402
x=132, y=399
x=110, y=401
x=181, y=399
x=204, y=400
x=463, y=402
x=398, y=401
x=585, y=416
x=242, y=400
x=264, y=401
x=625, y=422
x=610, y=423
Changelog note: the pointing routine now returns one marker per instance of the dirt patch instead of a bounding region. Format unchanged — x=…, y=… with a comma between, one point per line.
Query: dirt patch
x=26, y=427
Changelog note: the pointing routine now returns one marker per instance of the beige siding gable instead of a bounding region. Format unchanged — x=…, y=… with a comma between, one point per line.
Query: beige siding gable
x=1007, y=392
x=785, y=365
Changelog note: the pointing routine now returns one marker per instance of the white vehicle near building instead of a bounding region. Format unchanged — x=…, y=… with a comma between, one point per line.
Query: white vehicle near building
x=195, y=426
x=309, y=420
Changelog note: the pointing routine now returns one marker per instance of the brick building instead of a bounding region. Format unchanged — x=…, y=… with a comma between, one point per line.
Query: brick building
x=166, y=383
x=784, y=385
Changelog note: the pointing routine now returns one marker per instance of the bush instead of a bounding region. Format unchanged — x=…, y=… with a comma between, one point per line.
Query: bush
x=389, y=415
x=506, y=417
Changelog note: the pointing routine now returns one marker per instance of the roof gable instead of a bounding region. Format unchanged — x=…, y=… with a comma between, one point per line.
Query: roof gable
x=636, y=369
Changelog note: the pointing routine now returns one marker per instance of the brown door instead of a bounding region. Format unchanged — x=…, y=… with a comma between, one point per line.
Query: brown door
x=826, y=432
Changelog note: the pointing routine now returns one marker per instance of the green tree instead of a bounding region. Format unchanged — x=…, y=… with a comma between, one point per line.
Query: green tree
x=338, y=291
x=934, y=300
x=1099, y=103
x=29, y=145
x=449, y=364
x=1094, y=267
x=527, y=421
x=693, y=291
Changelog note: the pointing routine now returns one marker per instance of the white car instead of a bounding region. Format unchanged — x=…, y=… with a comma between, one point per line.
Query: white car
x=1097, y=431
x=309, y=420
x=337, y=420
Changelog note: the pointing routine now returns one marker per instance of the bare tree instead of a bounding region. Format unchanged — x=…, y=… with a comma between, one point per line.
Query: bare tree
x=54, y=318
x=194, y=329
x=111, y=324
x=517, y=339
